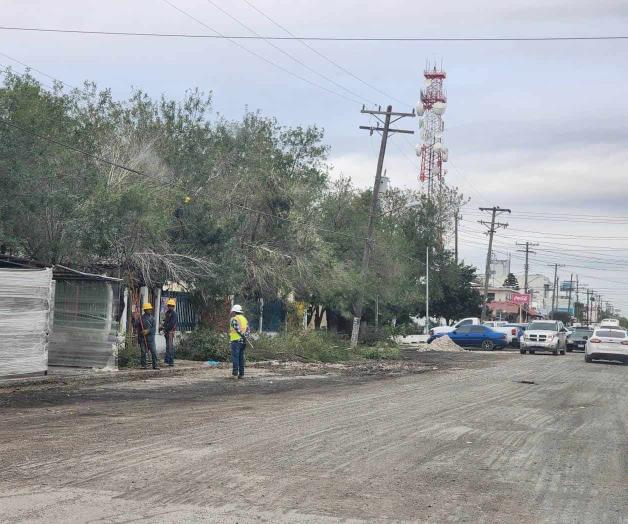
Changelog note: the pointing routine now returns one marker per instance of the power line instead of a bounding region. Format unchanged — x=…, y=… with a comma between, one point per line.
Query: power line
x=36, y=70
x=323, y=56
x=325, y=38
x=285, y=53
x=257, y=55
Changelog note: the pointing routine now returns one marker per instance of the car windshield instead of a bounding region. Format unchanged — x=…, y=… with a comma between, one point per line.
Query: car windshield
x=543, y=326
x=583, y=331
x=610, y=333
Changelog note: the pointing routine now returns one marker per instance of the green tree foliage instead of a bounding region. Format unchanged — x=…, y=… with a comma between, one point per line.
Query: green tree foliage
x=511, y=282
x=246, y=207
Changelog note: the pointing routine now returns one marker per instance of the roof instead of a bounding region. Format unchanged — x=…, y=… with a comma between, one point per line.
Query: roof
x=508, y=307
x=59, y=272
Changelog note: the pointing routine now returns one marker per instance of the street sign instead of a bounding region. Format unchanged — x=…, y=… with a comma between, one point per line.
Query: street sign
x=520, y=298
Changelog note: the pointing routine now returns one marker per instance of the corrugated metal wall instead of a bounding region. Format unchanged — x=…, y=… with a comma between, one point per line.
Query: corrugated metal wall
x=85, y=328
x=25, y=307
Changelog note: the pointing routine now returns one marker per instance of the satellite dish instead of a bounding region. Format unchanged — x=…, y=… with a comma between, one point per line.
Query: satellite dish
x=439, y=108
x=438, y=146
x=428, y=82
x=419, y=108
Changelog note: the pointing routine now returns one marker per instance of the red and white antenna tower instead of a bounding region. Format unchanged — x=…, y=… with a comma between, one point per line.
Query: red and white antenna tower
x=430, y=109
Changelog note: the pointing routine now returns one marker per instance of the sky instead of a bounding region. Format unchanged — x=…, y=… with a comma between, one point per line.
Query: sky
x=537, y=127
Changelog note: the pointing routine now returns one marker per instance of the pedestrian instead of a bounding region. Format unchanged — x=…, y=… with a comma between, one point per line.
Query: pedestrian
x=146, y=335
x=238, y=331
x=171, y=321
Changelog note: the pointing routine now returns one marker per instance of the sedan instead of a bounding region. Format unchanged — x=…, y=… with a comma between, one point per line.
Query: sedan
x=607, y=344
x=475, y=336
x=578, y=337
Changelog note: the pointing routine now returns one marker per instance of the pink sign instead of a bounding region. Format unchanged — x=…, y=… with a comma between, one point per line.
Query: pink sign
x=520, y=298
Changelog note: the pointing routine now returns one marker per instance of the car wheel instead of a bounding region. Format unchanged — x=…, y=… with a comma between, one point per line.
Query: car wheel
x=522, y=351
x=562, y=352
x=488, y=345
x=555, y=351
x=588, y=359
x=532, y=352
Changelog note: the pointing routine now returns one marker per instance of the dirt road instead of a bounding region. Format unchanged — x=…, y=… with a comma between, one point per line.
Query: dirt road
x=471, y=441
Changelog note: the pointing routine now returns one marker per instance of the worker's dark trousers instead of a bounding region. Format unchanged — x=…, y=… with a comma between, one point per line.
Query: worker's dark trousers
x=169, y=358
x=153, y=353
x=237, y=357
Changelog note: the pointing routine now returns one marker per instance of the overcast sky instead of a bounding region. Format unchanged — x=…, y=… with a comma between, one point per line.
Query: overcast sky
x=539, y=127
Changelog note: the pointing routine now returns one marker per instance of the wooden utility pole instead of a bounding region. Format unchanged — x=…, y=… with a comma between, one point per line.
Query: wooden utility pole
x=526, y=268
x=569, y=301
x=456, y=233
x=555, y=288
x=495, y=210
x=385, y=131
x=589, y=293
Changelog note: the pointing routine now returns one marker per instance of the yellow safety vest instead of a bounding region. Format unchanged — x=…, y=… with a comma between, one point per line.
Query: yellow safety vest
x=242, y=322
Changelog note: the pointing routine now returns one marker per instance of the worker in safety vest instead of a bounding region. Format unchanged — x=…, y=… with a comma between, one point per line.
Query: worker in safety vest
x=238, y=331
x=171, y=322
x=146, y=335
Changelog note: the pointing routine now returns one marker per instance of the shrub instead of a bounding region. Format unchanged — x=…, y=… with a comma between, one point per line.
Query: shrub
x=128, y=353
x=204, y=344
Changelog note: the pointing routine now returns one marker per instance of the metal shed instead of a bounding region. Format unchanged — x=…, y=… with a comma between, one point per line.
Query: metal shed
x=88, y=308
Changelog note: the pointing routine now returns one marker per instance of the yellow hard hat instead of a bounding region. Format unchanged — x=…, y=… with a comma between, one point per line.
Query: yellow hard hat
x=171, y=302
x=186, y=199
x=146, y=306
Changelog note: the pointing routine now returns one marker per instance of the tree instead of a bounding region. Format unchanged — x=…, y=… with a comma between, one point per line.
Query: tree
x=511, y=282
x=244, y=207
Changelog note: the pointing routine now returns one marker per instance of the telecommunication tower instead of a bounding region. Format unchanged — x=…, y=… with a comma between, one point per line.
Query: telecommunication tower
x=430, y=109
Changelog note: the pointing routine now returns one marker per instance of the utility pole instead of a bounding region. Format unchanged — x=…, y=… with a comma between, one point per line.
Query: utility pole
x=527, y=266
x=495, y=210
x=578, y=319
x=555, y=288
x=528, y=252
x=569, y=301
x=589, y=293
x=456, y=218
x=385, y=131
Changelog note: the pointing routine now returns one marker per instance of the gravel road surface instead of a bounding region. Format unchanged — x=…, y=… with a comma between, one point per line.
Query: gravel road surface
x=481, y=438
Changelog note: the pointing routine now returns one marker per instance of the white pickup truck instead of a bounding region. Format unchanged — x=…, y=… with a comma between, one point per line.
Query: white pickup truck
x=497, y=325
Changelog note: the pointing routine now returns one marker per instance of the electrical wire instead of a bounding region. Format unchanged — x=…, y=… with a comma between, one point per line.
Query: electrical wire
x=323, y=56
x=296, y=60
x=261, y=57
x=547, y=38
x=36, y=70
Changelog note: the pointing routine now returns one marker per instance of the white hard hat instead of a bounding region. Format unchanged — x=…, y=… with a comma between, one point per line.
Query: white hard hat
x=237, y=308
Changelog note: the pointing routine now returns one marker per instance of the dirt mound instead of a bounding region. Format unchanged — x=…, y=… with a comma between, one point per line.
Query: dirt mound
x=443, y=343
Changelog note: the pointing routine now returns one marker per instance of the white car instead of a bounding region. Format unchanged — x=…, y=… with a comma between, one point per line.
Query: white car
x=544, y=335
x=607, y=344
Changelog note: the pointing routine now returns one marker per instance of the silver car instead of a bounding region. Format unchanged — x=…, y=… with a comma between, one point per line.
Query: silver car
x=607, y=344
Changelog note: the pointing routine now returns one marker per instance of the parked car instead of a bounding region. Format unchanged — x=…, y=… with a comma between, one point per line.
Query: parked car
x=577, y=338
x=544, y=335
x=475, y=336
x=607, y=344
x=440, y=330
x=501, y=326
